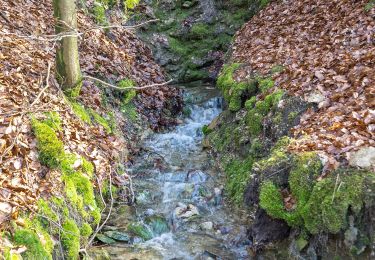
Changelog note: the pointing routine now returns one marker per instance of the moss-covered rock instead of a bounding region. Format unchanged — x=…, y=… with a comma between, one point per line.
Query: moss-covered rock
x=30, y=239
x=70, y=238
x=50, y=148
x=321, y=206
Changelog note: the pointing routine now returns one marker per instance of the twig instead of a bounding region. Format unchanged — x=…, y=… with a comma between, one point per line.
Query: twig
x=106, y=219
x=44, y=89
x=125, y=88
x=126, y=27
x=75, y=33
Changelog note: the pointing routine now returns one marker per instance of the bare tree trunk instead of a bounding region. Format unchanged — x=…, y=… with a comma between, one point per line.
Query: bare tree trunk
x=67, y=59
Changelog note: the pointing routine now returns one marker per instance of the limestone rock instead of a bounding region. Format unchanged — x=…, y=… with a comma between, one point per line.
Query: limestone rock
x=364, y=158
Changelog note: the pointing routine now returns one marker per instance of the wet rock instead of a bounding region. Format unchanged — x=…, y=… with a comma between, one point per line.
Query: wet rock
x=207, y=225
x=158, y=224
x=185, y=212
x=117, y=235
x=105, y=239
x=364, y=158
x=140, y=230
x=266, y=229
x=99, y=254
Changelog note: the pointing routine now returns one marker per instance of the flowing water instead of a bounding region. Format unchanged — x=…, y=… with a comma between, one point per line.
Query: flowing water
x=180, y=212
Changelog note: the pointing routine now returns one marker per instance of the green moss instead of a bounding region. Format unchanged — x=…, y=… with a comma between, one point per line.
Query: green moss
x=129, y=96
x=200, y=30
x=270, y=199
x=140, y=230
x=30, y=239
x=206, y=130
x=74, y=91
x=292, y=116
x=86, y=230
x=87, y=167
x=80, y=112
x=130, y=111
x=70, y=239
x=237, y=173
x=101, y=121
x=45, y=210
x=255, y=116
x=53, y=120
x=321, y=206
x=249, y=104
x=277, y=156
x=265, y=84
x=98, y=11
x=233, y=91
x=50, y=148
x=131, y=4
x=369, y=5
x=264, y=3
x=277, y=69
x=178, y=47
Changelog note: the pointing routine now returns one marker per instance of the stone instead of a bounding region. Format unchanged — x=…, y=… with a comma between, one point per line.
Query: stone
x=117, y=235
x=207, y=225
x=186, y=212
x=363, y=158
x=187, y=4
x=105, y=239
x=315, y=97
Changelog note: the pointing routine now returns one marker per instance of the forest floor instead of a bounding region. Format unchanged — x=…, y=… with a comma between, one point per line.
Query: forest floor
x=326, y=53
x=28, y=89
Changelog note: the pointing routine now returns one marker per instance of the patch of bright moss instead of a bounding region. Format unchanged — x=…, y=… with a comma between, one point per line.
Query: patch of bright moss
x=50, y=148
x=256, y=115
x=265, y=84
x=70, y=236
x=53, y=120
x=80, y=112
x=232, y=90
x=30, y=239
x=86, y=230
x=237, y=172
x=87, y=167
x=321, y=206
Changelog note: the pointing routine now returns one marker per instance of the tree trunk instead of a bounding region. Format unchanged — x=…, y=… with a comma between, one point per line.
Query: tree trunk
x=67, y=59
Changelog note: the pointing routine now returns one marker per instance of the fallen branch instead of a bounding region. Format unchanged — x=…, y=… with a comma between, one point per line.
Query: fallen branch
x=125, y=88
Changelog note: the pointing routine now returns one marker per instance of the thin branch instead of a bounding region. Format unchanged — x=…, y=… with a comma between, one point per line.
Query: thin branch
x=74, y=33
x=106, y=219
x=126, y=27
x=125, y=88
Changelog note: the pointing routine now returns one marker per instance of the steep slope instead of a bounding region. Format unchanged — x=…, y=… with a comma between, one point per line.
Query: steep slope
x=57, y=150
x=297, y=138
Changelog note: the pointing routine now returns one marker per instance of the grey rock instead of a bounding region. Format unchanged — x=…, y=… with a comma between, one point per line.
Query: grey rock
x=364, y=158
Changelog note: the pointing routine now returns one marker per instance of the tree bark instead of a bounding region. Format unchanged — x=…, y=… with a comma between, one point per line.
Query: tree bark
x=67, y=59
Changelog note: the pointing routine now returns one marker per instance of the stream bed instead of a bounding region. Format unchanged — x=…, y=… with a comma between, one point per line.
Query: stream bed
x=180, y=211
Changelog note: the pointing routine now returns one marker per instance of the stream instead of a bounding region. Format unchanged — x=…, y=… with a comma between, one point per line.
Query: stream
x=180, y=211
